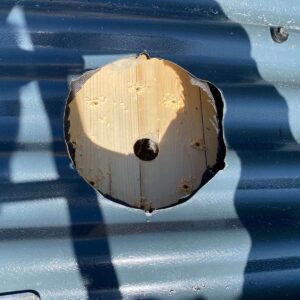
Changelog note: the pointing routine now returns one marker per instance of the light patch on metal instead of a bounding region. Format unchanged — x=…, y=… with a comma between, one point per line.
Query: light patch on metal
x=20, y=296
x=16, y=19
x=34, y=124
x=34, y=127
x=97, y=61
x=20, y=215
x=32, y=166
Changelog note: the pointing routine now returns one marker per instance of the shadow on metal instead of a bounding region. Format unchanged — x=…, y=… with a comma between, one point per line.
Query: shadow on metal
x=268, y=206
x=85, y=213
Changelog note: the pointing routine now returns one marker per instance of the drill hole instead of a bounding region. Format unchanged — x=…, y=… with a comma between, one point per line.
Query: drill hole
x=279, y=34
x=145, y=149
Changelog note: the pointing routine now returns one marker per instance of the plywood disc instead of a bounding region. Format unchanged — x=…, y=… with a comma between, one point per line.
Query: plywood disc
x=144, y=131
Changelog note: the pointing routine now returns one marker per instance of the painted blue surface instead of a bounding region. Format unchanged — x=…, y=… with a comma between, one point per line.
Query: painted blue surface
x=237, y=237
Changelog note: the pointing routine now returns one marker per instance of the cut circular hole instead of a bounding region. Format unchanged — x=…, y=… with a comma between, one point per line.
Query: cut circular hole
x=145, y=149
x=113, y=124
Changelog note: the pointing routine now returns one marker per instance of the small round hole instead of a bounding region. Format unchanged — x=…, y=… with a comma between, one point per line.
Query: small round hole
x=279, y=34
x=145, y=149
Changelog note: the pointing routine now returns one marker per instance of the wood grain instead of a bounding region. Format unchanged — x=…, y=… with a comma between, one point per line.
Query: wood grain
x=136, y=98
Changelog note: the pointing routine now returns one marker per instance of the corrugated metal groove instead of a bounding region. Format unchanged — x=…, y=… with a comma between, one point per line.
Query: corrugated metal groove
x=237, y=237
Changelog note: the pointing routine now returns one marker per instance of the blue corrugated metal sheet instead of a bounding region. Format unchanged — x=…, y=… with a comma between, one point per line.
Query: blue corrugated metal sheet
x=237, y=237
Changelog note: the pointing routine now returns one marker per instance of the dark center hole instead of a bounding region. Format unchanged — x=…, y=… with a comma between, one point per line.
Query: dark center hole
x=145, y=149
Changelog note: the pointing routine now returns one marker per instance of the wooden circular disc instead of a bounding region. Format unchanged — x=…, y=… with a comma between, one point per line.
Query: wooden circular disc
x=143, y=99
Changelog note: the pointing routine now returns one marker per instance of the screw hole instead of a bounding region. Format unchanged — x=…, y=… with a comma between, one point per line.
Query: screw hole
x=145, y=149
x=279, y=34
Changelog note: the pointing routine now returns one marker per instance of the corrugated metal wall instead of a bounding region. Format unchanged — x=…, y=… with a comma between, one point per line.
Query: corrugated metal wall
x=238, y=237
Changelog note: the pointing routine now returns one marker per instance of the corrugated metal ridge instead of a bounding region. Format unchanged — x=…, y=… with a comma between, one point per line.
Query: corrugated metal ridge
x=236, y=238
